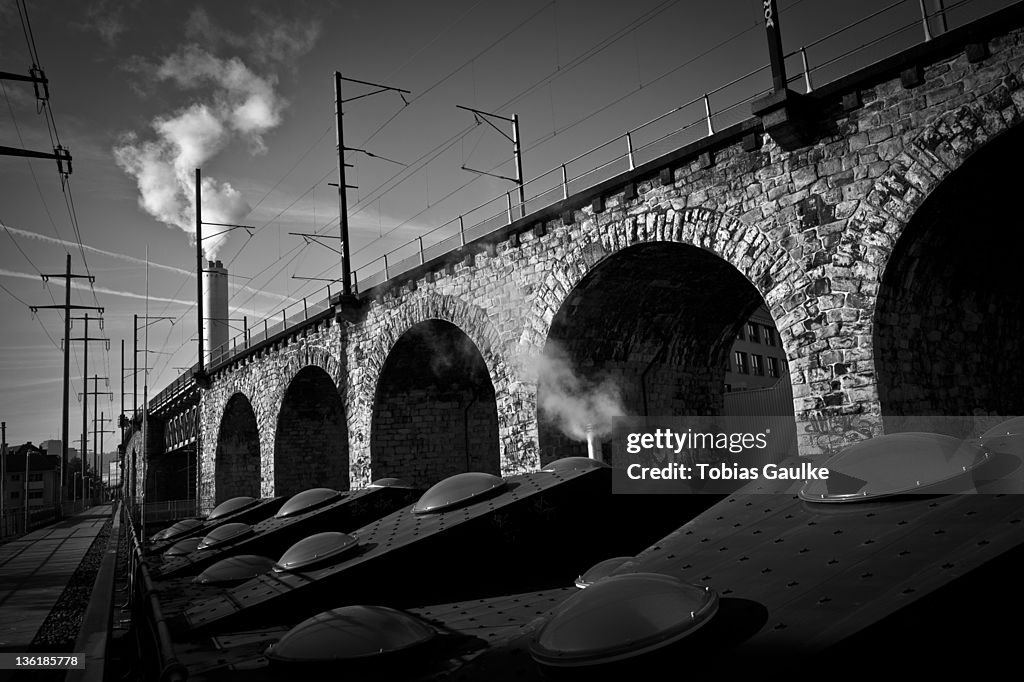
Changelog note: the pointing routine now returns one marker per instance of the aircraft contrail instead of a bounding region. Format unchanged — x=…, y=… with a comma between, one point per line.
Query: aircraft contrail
x=131, y=259
x=99, y=290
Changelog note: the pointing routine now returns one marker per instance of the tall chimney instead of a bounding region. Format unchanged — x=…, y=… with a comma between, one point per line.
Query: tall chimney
x=215, y=304
x=593, y=444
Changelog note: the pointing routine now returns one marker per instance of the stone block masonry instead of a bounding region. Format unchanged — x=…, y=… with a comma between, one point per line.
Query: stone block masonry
x=812, y=232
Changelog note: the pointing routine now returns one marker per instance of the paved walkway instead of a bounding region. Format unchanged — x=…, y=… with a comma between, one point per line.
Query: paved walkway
x=35, y=568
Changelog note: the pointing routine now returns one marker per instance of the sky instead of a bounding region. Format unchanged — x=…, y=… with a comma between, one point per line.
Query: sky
x=142, y=93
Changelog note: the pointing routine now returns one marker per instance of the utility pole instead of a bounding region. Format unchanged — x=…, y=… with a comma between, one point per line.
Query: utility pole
x=346, y=263
x=517, y=151
x=135, y=368
x=147, y=319
x=102, y=431
x=85, y=382
x=776, y=55
x=121, y=418
x=60, y=154
x=67, y=308
x=95, y=414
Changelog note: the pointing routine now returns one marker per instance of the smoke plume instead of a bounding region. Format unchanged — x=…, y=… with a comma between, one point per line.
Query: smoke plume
x=569, y=401
x=230, y=103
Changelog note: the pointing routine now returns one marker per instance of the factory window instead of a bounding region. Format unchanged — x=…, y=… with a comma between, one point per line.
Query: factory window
x=741, y=363
x=757, y=361
x=752, y=332
x=769, y=336
x=773, y=367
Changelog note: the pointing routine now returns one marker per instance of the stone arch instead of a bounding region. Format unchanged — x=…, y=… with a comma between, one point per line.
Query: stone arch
x=237, y=462
x=385, y=324
x=878, y=224
x=762, y=272
x=309, y=355
x=771, y=269
x=310, y=435
x=948, y=318
x=434, y=408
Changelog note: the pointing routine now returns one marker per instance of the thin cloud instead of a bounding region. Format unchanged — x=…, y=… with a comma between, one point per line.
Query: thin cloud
x=106, y=19
x=276, y=39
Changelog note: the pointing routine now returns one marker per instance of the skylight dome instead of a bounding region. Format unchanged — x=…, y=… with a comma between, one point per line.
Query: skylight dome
x=1007, y=437
x=350, y=633
x=231, y=506
x=235, y=569
x=225, y=535
x=315, y=549
x=186, y=546
x=180, y=528
x=894, y=464
x=567, y=464
x=306, y=500
x=621, y=617
x=600, y=570
x=390, y=483
x=458, y=490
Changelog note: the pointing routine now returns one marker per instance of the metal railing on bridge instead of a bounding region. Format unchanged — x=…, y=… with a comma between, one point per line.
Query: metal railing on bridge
x=821, y=61
x=166, y=511
x=148, y=630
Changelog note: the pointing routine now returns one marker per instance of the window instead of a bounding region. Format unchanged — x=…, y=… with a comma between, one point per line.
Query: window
x=752, y=332
x=773, y=367
x=15, y=477
x=728, y=388
x=741, y=363
x=757, y=361
x=769, y=336
x=35, y=494
x=15, y=495
x=35, y=477
x=739, y=334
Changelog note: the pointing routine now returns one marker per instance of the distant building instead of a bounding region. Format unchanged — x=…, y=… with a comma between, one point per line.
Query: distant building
x=39, y=487
x=52, y=447
x=113, y=477
x=757, y=359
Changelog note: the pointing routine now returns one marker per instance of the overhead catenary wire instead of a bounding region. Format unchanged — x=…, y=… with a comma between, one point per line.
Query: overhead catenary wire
x=54, y=134
x=432, y=154
x=428, y=157
x=578, y=121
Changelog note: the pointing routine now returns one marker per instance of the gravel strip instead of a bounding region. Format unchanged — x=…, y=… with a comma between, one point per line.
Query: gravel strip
x=60, y=629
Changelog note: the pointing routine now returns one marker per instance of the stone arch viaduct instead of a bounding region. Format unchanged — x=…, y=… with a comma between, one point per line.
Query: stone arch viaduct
x=874, y=218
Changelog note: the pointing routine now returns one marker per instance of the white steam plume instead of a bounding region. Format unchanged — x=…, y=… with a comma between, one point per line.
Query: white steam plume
x=573, y=403
x=241, y=105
